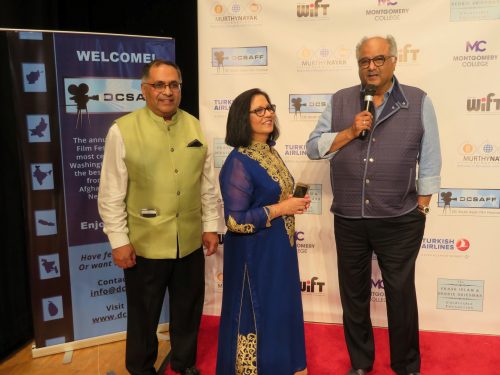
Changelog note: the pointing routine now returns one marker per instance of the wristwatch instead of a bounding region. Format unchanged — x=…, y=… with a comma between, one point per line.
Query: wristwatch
x=424, y=209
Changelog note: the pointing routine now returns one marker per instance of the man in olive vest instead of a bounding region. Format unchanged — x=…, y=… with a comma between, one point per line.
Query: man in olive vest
x=379, y=199
x=157, y=200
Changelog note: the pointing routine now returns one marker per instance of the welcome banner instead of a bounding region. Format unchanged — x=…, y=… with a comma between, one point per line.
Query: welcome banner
x=69, y=88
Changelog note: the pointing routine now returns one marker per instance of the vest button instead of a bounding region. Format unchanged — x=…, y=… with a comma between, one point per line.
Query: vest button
x=373, y=139
x=367, y=181
x=177, y=215
x=178, y=193
x=367, y=201
x=371, y=160
x=364, y=160
x=176, y=171
x=172, y=149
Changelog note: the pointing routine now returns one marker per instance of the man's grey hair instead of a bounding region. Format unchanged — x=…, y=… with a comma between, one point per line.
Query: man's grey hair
x=393, y=47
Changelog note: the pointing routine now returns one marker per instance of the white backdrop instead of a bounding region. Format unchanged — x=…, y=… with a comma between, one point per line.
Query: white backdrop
x=301, y=53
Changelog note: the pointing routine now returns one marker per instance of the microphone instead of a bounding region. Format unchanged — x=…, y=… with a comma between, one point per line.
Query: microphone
x=368, y=105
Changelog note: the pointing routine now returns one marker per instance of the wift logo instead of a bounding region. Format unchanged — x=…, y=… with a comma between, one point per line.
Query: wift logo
x=316, y=9
x=408, y=54
x=312, y=286
x=484, y=104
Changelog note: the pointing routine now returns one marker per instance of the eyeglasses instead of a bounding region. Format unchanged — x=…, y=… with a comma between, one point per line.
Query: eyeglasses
x=377, y=61
x=261, y=111
x=174, y=86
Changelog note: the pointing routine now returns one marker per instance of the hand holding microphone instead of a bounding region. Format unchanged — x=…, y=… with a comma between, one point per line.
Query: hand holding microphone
x=368, y=106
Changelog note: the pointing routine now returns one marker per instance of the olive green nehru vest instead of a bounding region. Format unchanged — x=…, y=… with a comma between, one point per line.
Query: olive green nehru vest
x=164, y=174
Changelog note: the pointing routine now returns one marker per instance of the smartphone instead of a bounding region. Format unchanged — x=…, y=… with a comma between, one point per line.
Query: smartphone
x=300, y=190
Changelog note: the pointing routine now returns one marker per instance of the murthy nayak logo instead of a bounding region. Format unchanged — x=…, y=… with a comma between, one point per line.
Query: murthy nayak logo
x=316, y=10
x=236, y=13
x=485, y=154
x=484, y=105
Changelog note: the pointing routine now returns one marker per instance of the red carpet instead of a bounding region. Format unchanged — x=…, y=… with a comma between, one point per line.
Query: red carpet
x=442, y=353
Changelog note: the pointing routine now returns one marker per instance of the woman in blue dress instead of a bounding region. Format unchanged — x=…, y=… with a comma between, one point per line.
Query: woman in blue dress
x=262, y=325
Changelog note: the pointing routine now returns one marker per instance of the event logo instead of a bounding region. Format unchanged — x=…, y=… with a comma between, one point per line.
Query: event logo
x=475, y=55
x=303, y=246
x=220, y=105
x=295, y=150
x=387, y=11
x=487, y=103
x=220, y=152
x=474, y=10
x=218, y=280
x=477, y=202
x=313, y=286
x=463, y=244
x=408, y=54
x=323, y=59
x=239, y=57
x=378, y=290
x=307, y=104
x=316, y=10
x=457, y=294
x=235, y=13
x=482, y=155
x=84, y=96
x=439, y=246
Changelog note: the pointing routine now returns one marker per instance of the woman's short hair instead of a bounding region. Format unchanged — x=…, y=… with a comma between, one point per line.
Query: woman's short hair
x=238, y=128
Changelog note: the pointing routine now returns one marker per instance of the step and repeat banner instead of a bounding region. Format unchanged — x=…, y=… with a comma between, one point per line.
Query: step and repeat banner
x=68, y=89
x=301, y=53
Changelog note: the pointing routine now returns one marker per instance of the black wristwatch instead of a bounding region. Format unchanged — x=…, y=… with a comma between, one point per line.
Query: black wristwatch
x=424, y=209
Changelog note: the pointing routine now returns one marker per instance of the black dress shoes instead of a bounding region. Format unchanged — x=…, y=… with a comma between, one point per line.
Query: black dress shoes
x=191, y=371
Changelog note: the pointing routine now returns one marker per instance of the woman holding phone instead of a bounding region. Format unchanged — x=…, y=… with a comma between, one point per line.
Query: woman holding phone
x=262, y=326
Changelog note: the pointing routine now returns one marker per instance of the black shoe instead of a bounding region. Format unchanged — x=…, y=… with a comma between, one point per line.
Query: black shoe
x=358, y=371
x=191, y=371
x=414, y=373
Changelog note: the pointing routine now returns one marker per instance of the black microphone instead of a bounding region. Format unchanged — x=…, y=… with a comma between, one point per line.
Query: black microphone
x=368, y=105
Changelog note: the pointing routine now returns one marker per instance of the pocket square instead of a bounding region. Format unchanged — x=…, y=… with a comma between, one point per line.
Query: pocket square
x=195, y=143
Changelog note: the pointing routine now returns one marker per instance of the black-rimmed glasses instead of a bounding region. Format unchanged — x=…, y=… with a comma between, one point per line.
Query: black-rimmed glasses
x=261, y=111
x=161, y=86
x=377, y=61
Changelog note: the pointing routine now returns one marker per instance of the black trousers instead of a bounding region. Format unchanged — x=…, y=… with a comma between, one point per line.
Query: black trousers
x=146, y=284
x=396, y=243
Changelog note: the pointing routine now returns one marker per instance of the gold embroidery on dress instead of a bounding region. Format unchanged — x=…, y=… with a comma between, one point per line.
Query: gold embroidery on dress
x=269, y=159
x=233, y=226
x=246, y=355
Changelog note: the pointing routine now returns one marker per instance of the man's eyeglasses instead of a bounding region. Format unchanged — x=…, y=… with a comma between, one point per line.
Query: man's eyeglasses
x=377, y=61
x=261, y=111
x=174, y=86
